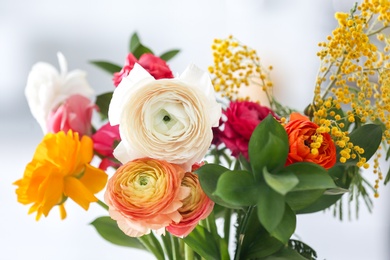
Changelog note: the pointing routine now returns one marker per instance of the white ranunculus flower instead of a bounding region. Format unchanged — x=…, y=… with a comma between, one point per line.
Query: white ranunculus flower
x=167, y=119
x=47, y=88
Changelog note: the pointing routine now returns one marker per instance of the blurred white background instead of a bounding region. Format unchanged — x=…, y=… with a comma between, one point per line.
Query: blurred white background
x=285, y=34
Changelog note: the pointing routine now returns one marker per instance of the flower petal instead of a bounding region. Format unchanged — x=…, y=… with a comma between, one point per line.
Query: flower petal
x=76, y=190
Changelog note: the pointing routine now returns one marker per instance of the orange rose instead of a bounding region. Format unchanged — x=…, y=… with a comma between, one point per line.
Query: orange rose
x=306, y=145
x=144, y=195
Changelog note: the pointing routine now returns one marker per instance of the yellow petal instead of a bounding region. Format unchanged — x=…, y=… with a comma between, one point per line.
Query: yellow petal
x=62, y=211
x=50, y=192
x=76, y=190
x=94, y=179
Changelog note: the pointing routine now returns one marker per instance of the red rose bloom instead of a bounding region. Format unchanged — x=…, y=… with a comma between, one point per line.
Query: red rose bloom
x=300, y=131
x=242, y=119
x=156, y=66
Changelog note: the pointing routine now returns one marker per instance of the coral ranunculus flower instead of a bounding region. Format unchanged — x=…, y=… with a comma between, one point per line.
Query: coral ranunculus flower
x=196, y=206
x=301, y=134
x=145, y=194
x=60, y=169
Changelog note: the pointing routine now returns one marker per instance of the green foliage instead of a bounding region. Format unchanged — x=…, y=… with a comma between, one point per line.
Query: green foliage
x=237, y=188
x=200, y=237
x=109, y=230
x=137, y=48
x=281, y=183
x=109, y=67
x=268, y=146
x=367, y=137
x=270, y=207
x=103, y=102
x=303, y=249
x=169, y=54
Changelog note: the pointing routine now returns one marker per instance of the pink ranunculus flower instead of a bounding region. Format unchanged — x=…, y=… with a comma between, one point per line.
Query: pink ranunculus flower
x=156, y=66
x=196, y=206
x=104, y=141
x=145, y=194
x=242, y=119
x=74, y=114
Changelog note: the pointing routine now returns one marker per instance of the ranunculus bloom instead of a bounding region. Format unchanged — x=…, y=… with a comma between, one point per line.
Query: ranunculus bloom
x=156, y=66
x=167, y=119
x=242, y=119
x=196, y=206
x=47, y=88
x=104, y=141
x=300, y=131
x=144, y=195
x=60, y=169
x=74, y=114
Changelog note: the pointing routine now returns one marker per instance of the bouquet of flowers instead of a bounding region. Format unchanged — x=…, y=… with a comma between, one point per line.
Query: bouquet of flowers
x=186, y=151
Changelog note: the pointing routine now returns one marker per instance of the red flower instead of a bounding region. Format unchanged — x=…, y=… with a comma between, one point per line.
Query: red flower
x=156, y=66
x=104, y=141
x=242, y=119
x=300, y=131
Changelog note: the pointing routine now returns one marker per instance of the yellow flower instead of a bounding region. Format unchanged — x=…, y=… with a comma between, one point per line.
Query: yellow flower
x=60, y=169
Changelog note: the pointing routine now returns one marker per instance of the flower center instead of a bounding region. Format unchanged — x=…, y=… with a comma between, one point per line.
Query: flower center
x=166, y=118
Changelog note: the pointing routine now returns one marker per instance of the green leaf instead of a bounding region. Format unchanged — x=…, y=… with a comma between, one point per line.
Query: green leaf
x=268, y=146
x=109, y=67
x=208, y=177
x=109, y=230
x=367, y=137
x=302, y=248
x=134, y=42
x=313, y=181
x=286, y=227
x=257, y=241
x=141, y=49
x=299, y=200
x=169, y=54
x=285, y=254
x=245, y=165
x=103, y=102
x=311, y=176
x=198, y=239
x=281, y=182
x=237, y=188
x=137, y=48
x=270, y=207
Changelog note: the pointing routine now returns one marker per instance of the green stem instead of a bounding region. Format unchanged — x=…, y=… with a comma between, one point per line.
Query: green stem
x=167, y=245
x=102, y=204
x=148, y=243
x=226, y=225
x=211, y=225
x=175, y=248
x=243, y=226
x=377, y=31
x=188, y=253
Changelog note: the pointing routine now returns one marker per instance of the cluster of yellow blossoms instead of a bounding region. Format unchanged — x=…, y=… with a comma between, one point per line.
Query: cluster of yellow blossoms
x=236, y=66
x=356, y=71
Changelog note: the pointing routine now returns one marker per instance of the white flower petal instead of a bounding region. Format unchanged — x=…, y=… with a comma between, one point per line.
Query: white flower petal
x=46, y=88
x=124, y=89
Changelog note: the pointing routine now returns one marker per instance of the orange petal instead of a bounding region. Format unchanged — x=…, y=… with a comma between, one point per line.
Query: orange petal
x=94, y=179
x=76, y=190
x=296, y=116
